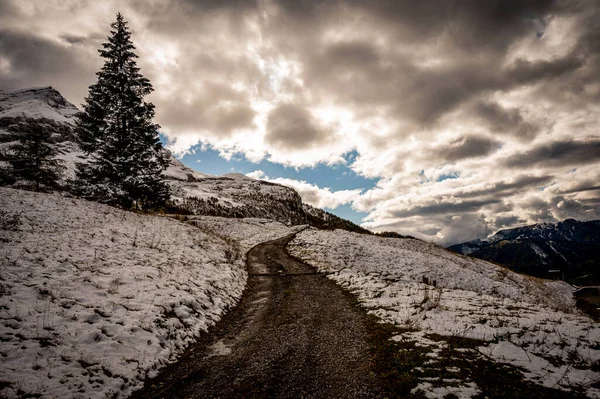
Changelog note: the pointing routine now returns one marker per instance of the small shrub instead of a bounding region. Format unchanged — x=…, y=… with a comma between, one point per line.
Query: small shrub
x=10, y=221
x=6, y=176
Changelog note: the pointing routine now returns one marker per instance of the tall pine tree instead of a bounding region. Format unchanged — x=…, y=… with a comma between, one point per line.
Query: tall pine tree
x=126, y=158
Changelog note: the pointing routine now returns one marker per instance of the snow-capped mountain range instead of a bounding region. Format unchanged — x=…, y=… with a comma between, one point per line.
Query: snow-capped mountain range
x=230, y=195
x=568, y=249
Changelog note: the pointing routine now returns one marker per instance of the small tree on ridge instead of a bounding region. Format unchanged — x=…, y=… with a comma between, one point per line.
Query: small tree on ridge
x=32, y=158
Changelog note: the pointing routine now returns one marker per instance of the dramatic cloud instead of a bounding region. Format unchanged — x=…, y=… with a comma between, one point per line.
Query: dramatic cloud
x=509, y=121
x=468, y=147
x=292, y=127
x=562, y=153
x=311, y=193
x=27, y=60
x=473, y=115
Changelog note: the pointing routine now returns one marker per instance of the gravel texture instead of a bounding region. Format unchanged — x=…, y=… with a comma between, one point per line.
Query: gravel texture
x=294, y=334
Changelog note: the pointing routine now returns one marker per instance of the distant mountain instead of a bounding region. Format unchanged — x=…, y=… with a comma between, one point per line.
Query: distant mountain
x=230, y=195
x=568, y=249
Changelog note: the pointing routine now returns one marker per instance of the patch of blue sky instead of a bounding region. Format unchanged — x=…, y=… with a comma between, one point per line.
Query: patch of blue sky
x=447, y=176
x=545, y=187
x=336, y=177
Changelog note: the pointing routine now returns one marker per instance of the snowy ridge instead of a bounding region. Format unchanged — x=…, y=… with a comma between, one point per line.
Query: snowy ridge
x=521, y=321
x=234, y=195
x=37, y=102
x=94, y=299
x=568, y=230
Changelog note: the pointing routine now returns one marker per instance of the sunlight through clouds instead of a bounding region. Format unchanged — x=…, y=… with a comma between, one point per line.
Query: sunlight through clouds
x=492, y=94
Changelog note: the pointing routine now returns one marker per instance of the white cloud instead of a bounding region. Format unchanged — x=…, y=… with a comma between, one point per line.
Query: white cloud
x=311, y=193
x=257, y=174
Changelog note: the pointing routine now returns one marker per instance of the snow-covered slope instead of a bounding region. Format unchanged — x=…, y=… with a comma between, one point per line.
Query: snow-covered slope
x=47, y=107
x=519, y=320
x=94, y=299
x=37, y=102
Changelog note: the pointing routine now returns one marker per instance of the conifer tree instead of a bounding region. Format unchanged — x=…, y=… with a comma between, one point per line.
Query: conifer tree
x=32, y=158
x=126, y=158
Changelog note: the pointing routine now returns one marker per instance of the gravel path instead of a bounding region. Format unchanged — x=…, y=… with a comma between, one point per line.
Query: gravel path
x=294, y=334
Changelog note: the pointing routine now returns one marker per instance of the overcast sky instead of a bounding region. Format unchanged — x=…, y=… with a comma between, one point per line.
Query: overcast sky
x=457, y=118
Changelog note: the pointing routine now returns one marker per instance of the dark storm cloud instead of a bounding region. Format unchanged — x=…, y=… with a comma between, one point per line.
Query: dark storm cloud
x=507, y=221
x=558, y=153
x=94, y=40
x=355, y=73
x=589, y=41
x=433, y=92
x=8, y=8
x=367, y=76
x=217, y=108
x=444, y=207
x=198, y=26
x=240, y=5
x=476, y=35
x=526, y=72
x=564, y=207
x=501, y=207
x=73, y=39
x=582, y=187
x=364, y=76
x=351, y=54
x=470, y=23
x=538, y=209
x=593, y=203
x=520, y=184
x=468, y=147
x=222, y=120
x=38, y=61
x=193, y=8
x=292, y=127
x=502, y=120
x=29, y=55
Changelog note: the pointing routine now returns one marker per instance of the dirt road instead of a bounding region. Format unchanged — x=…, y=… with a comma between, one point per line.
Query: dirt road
x=294, y=334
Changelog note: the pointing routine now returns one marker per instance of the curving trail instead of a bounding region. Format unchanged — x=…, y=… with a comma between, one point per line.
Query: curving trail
x=294, y=334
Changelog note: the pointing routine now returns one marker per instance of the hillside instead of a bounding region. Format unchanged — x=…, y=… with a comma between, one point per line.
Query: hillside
x=94, y=299
x=229, y=195
x=567, y=250
x=461, y=322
